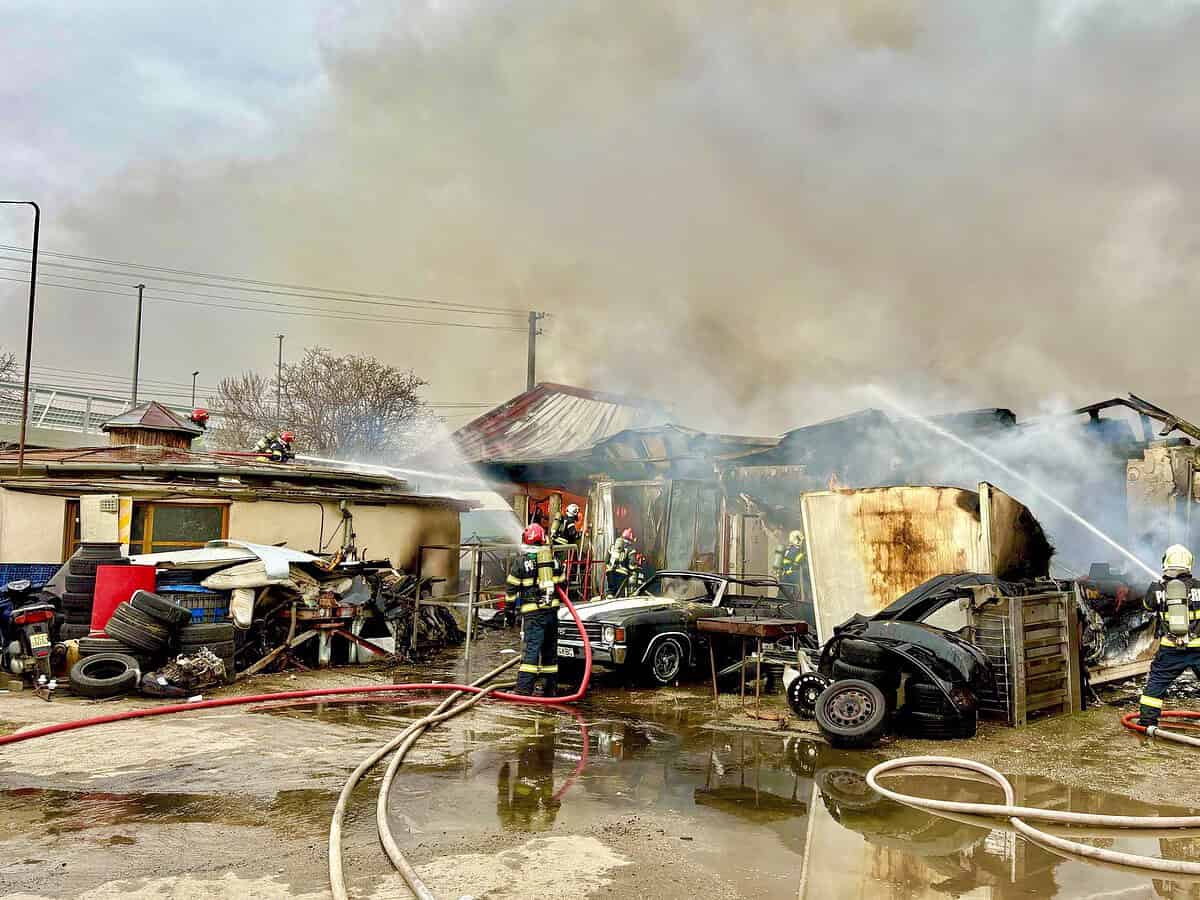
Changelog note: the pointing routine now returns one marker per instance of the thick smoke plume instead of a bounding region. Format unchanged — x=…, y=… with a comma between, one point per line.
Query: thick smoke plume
x=744, y=209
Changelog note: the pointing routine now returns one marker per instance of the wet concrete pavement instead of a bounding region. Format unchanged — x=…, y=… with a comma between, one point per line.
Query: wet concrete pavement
x=638, y=793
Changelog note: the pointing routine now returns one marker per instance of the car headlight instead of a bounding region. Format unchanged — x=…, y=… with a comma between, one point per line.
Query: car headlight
x=609, y=634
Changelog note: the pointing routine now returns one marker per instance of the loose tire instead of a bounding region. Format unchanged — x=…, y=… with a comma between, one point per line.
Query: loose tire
x=105, y=675
x=925, y=697
x=137, y=630
x=90, y=646
x=852, y=713
x=864, y=653
x=204, y=633
x=168, y=612
x=666, y=661
x=98, y=550
x=885, y=679
x=71, y=632
x=803, y=692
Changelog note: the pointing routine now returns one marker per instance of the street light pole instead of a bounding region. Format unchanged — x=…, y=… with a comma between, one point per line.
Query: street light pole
x=37, y=223
x=194, y=374
x=279, y=380
x=137, y=343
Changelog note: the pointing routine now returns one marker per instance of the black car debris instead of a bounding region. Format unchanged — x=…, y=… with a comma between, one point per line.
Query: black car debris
x=653, y=634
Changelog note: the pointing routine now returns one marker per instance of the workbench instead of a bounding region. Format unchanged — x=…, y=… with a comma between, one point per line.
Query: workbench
x=747, y=627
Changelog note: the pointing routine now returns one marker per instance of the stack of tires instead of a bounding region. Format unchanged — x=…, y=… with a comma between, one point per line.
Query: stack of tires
x=214, y=636
x=81, y=587
x=928, y=714
x=140, y=634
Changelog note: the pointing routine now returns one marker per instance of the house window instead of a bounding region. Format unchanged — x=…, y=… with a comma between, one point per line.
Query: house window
x=158, y=527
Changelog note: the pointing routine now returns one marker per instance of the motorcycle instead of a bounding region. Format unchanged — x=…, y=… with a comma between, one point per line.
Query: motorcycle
x=27, y=641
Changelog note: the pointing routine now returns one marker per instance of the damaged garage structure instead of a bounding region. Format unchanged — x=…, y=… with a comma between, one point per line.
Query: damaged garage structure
x=884, y=502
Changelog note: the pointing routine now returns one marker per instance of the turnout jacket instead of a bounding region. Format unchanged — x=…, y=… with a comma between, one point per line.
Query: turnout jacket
x=563, y=531
x=620, y=557
x=1156, y=601
x=522, y=586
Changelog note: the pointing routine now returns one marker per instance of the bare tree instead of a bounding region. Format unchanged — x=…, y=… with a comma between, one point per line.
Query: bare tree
x=343, y=407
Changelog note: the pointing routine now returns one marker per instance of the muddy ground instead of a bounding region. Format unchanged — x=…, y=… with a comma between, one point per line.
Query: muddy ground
x=639, y=793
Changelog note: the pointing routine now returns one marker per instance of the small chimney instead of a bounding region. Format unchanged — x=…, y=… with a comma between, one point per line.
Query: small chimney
x=151, y=425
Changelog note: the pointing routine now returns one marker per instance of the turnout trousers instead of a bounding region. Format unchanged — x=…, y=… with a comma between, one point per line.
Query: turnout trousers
x=540, y=659
x=1169, y=663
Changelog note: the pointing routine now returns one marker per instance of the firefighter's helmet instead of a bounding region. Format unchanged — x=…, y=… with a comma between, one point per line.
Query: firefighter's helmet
x=627, y=534
x=572, y=510
x=287, y=436
x=1178, y=558
x=533, y=535
x=796, y=538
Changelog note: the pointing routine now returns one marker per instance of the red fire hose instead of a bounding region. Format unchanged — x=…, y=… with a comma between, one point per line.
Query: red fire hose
x=1180, y=717
x=219, y=702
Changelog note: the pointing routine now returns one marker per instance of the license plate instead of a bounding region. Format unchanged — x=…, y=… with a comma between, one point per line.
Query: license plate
x=566, y=651
x=39, y=639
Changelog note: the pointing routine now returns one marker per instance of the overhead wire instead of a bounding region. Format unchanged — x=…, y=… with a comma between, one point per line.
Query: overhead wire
x=263, y=286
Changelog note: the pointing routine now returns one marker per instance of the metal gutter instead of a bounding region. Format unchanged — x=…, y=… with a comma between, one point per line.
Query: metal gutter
x=281, y=472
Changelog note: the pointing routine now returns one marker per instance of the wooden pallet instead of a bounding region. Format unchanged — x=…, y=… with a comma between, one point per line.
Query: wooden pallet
x=1033, y=644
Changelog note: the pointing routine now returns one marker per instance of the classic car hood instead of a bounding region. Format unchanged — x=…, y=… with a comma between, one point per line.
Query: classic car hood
x=597, y=610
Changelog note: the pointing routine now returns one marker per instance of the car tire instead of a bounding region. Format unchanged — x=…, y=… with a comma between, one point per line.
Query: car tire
x=206, y=633
x=666, y=662
x=939, y=727
x=105, y=675
x=803, y=692
x=81, y=584
x=72, y=632
x=884, y=679
x=87, y=567
x=852, y=713
x=921, y=696
x=866, y=654
x=161, y=609
x=137, y=630
x=79, y=604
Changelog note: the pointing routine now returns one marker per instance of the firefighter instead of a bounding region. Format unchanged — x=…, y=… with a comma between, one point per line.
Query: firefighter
x=789, y=560
x=564, y=530
x=621, y=561
x=1176, y=601
x=533, y=582
x=275, y=446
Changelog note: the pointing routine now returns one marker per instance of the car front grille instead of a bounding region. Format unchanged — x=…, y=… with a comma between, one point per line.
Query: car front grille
x=568, y=632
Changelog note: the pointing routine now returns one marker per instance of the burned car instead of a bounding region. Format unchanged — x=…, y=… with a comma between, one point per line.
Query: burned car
x=653, y=634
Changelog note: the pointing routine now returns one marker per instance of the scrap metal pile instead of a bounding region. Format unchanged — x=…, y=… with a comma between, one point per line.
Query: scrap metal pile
x=172, y=624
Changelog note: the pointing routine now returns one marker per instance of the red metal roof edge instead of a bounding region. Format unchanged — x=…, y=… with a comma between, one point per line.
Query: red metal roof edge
x=518, y=404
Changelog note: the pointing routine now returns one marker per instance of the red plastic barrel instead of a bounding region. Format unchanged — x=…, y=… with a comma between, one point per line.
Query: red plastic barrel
x=115, y=585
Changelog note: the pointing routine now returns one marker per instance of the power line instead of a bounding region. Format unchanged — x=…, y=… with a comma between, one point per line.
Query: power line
x=276, y=309
x=271, y=287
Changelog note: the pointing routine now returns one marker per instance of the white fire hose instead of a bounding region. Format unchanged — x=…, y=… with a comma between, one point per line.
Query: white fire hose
x=1018, y=816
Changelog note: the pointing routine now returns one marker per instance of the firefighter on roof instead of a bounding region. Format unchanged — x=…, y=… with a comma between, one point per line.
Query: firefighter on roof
x=533, y=582
x=1176, y=601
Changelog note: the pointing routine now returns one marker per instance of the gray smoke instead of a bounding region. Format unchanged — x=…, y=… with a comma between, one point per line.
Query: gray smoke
x=743, y=209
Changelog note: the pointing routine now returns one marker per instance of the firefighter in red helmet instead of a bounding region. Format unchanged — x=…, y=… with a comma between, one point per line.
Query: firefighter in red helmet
x=533, y=583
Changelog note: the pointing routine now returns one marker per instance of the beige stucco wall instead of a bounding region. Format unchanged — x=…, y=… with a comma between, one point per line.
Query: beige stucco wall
x=31, y=530
x=31, y=527
x=394, y=531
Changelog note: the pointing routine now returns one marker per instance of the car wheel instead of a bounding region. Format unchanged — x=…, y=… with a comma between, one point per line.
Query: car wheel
x=666, y=661
x=803, y=692
x=852, y=713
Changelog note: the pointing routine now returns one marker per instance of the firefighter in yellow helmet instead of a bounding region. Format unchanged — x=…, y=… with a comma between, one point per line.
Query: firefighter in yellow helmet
x=1176, y=601
x=789, y=560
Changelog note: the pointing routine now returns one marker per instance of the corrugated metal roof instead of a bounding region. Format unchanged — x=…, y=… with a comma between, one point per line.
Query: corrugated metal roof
x=552, y=420
x=153, y=416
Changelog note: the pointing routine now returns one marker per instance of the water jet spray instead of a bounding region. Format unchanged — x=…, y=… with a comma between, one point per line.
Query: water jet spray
x=891, y=402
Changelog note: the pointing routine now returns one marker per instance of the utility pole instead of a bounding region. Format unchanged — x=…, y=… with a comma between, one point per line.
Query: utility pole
x=137, y=344
x=534, y=331
x=37, y=223
x=194, y=374
x=279, y=380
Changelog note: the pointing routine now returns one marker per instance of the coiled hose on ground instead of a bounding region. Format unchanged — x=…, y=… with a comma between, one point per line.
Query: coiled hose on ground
x=1020, y=816
x=404, y=742
x=1130, y=721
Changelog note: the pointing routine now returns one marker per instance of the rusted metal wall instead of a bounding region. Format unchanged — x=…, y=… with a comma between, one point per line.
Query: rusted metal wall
x=868, y=547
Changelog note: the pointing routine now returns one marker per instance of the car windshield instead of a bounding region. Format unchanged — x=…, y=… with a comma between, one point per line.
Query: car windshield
x=682, y=587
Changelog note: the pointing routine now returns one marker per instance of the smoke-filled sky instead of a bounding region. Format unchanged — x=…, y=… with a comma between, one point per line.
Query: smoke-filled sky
x=746, y=210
